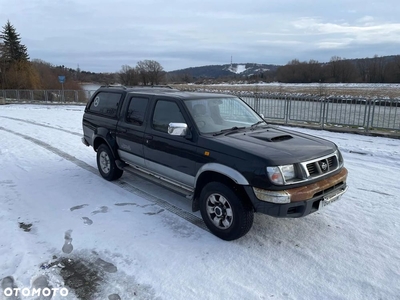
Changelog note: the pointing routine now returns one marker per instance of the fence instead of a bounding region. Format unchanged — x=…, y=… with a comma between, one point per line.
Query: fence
x=363, y=115
x=356, y=114
x=45, y=96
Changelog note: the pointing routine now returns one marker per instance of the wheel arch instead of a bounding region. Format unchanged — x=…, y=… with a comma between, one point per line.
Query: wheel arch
x=103, y=136
x=219, y=173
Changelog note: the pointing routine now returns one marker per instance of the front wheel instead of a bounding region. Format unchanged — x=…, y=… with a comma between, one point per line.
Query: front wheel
x=106, y=164
x=225, y=214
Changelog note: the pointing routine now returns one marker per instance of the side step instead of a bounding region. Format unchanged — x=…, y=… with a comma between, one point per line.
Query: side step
x=180, y=189
x=120, y=164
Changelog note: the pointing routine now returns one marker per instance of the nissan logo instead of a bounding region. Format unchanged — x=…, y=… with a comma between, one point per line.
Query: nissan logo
x=323, y=165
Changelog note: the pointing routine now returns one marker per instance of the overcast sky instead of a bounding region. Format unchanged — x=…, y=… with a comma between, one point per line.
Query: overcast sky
x=101, y=36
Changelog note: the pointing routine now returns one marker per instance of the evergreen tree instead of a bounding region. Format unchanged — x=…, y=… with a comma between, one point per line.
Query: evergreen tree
x=12, y=49
x=15, y=68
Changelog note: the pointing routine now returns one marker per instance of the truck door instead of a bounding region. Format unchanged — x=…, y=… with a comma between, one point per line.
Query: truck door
x=130, y=130
x=168, y=155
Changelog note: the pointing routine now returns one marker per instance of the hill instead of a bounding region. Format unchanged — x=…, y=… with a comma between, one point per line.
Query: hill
x=218, y=71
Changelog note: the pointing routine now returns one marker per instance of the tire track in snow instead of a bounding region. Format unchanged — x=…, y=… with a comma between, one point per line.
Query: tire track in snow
x=43, y=125
x=122, y=184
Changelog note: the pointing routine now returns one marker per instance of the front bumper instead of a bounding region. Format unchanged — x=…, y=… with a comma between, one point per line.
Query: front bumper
x=304, y=200
x=85, y=142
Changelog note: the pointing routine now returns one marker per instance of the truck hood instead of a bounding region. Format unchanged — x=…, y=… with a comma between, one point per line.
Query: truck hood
x=279, y=146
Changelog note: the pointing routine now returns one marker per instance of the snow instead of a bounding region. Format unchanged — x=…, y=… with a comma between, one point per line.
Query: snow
x=317, y=84
x=237, y=68
x=48, y=178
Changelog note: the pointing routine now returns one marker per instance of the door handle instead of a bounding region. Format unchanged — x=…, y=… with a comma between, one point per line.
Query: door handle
x=148, y=138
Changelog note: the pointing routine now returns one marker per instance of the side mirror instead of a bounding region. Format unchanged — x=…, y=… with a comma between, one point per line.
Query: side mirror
x=179, y=129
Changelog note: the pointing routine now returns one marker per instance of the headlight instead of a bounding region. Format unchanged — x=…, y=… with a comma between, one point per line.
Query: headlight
x=340, y=158
x=280, y=175
x=288, y=172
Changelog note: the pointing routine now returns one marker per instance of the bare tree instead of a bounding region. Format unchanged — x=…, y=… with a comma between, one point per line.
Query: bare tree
x=312, y=71
x=376, y=69
x=186, y=78
x=396, y=69
x=341, y=70
x=156, y=72
x=142, y=72
x=150, y=72
x=291, y=72
x=362, y=66
x=128, y=76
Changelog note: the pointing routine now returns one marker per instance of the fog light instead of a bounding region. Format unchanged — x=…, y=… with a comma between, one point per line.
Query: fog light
x=280, y=197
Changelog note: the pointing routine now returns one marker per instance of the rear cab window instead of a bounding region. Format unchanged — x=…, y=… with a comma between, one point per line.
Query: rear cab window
x=106, y=104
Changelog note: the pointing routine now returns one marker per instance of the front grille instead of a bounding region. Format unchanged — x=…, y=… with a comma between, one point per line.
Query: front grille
x=330, y=161
x=321, y=166
x=311, y=169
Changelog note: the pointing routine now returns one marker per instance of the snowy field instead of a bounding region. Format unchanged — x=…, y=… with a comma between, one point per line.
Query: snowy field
x=344, y=90
x=316, y=84
x=146, y=243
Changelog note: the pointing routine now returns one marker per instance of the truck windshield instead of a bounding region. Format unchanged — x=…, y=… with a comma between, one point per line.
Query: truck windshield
x=219, y=114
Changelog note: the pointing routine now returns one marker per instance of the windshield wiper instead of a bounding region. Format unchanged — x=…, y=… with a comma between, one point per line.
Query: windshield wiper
x=257, y=123
x=228, y=130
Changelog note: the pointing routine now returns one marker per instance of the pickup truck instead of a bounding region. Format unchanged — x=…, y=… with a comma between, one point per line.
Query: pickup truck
x=216, y=151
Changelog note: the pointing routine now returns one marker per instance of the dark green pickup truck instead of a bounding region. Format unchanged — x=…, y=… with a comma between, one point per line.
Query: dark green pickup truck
x=214, y=149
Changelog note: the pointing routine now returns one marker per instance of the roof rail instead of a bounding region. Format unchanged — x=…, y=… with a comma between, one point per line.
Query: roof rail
x=137, y=86
x=150, y=86
x=114, y=86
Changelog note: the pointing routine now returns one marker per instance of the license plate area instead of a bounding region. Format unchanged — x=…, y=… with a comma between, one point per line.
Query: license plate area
x=329, y=199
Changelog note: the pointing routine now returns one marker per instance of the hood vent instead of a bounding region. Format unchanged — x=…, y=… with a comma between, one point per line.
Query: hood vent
x=278, y=138
x=281, y=138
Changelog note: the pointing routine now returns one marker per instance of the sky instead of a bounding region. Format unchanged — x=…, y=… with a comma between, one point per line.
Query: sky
x=142, y=243
x=101, y=36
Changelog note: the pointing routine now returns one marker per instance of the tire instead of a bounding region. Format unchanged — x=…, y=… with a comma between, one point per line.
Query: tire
x=225, y=214
x=106, y=164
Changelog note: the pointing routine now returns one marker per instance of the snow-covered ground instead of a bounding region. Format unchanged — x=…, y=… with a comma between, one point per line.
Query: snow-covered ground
x=316, y=84
x=237, y=68
x=146, y=246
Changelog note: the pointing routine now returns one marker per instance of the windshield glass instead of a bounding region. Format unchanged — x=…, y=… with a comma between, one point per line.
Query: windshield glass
x=216, y=114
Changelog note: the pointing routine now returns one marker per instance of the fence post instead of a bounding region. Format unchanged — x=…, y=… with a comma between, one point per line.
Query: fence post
x=323, y=113
x=369, y=101
x=257, y=102
x=287, y=109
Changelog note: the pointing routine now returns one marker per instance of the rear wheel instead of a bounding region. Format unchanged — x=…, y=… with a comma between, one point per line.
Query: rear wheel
x=106, y=164
x=224, y=213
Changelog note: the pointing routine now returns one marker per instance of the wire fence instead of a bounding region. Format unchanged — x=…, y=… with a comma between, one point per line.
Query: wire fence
x=357, y=114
